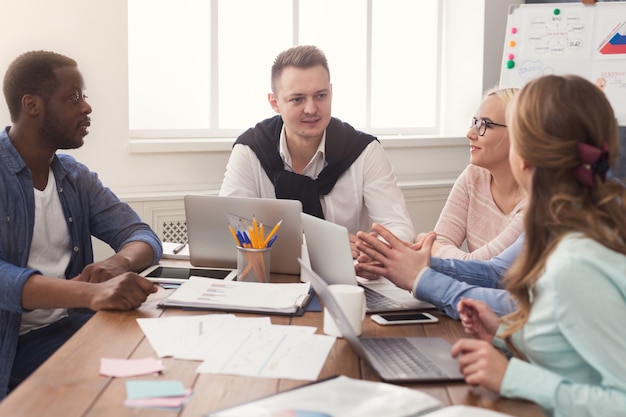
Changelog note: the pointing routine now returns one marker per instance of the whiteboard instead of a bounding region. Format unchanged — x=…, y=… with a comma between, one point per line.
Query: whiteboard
x=568, y=38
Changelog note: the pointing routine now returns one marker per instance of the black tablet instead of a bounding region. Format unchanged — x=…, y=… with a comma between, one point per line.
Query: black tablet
x=178, y=275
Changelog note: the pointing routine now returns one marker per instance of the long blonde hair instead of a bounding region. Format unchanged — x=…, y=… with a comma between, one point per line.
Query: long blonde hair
x=547, y=120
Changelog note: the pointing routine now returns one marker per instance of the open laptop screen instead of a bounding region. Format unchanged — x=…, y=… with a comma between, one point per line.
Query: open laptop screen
x=211, y=243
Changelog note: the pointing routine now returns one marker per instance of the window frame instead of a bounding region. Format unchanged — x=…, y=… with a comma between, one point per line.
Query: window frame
x=202, y=140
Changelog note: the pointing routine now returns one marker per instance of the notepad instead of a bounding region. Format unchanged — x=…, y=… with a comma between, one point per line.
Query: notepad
x=338, y=396
x=169, y=249
x=257, y=297
x=348, y=397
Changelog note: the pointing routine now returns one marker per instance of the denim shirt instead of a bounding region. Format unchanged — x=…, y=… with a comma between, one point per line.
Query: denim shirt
x=90, y=209
x=449, y=280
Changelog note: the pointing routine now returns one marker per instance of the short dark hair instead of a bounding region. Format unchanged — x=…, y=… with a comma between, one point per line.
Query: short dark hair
x=32, y=73
x=303, y=56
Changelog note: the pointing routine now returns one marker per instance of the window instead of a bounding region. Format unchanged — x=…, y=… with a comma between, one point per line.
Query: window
x=201, y=68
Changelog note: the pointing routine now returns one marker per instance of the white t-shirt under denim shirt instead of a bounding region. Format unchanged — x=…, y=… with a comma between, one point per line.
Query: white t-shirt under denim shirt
x=49, y=250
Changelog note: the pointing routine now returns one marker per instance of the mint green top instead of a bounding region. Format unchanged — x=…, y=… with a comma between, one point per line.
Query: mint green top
x=575, y=337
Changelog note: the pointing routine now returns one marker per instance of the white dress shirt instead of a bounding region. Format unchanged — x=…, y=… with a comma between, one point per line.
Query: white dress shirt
x=367, y=192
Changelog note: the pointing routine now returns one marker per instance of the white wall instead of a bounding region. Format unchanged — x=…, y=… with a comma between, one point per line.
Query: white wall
x=94, y=33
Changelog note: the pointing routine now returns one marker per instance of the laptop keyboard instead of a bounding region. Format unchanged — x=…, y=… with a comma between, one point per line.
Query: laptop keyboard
x=378, y=302
x=401, y=357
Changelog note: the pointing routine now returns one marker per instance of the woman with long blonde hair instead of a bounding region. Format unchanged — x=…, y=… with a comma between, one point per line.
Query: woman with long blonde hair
x=567, y=335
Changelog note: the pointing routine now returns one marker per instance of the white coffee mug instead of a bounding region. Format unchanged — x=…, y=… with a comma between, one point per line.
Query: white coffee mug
x=351, y=299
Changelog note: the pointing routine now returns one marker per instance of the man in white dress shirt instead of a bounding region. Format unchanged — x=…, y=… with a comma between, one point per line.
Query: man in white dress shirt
x=338, y=173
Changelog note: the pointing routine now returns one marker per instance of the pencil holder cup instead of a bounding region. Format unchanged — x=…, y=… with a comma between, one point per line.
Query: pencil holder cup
x=253, y=265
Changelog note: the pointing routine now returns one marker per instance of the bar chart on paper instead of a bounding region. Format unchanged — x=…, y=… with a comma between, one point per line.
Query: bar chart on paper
x=214, y=294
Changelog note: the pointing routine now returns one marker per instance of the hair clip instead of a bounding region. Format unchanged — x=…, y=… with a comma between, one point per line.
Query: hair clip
x=595, y=161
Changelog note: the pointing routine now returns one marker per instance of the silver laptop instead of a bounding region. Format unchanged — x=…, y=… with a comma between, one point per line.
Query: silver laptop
x=404, y=359
x=330, y=256
x=212, y=245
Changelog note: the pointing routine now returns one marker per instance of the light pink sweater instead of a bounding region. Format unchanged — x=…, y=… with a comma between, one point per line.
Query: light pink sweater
x=470, y=214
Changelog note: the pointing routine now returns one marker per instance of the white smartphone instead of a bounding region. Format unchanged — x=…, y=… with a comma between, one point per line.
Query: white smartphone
x=404, y=318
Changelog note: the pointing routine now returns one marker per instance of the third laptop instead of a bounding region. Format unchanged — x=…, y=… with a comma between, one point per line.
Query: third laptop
x=395, y=359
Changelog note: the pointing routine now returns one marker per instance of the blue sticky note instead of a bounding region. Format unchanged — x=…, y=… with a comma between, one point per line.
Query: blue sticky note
x=151, y=389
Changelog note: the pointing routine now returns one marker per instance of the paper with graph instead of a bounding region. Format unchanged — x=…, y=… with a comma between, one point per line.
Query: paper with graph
x=249, y=346
x=217, y=294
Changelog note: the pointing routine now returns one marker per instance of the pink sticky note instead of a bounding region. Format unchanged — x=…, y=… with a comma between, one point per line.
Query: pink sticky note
x=121, y=368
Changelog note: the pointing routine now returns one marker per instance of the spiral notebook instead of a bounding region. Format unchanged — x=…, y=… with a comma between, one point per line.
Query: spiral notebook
x=241, y=296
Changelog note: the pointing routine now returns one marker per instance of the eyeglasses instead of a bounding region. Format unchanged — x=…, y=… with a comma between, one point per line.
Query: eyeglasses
x=481, y=125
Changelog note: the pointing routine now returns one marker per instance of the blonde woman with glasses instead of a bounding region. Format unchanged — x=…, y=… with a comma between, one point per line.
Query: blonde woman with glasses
x=485, y=207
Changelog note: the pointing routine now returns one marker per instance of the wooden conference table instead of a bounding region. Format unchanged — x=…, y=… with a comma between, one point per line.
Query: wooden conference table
x=69, y=385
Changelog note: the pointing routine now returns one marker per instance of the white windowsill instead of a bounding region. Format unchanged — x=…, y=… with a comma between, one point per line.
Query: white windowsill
x=170, y=145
